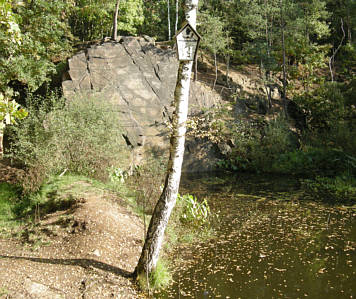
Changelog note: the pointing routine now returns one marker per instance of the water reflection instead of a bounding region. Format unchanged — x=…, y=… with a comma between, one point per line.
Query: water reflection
x=267, y=245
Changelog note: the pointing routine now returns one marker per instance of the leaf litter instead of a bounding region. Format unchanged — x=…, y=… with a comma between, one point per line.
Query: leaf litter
x=269, y=248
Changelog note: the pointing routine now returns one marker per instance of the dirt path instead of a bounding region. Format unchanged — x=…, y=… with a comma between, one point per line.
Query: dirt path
x=86, y=251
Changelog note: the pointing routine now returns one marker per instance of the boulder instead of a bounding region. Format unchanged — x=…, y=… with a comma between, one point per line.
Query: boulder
x=139, y=79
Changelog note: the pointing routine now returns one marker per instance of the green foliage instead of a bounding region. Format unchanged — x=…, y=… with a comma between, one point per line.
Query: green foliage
x=346, y=59
x=83, y=136
x=315, y=161
x=8, y=196
x=214, y=34
x=53, y=195
x=146, y=181
x=131, y=16
x=258, y=144
x=193, y=212
x=324, y=106
x=155, y=22
x=9, y=110
x=92, y=20
x=160, y=276
x=29, y=51
x=341, y=189
x=117, y=175
x=341, y=135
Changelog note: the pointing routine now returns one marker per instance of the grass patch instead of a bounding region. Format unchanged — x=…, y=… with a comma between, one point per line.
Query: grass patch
x=159, y=279
x=161, y=276
x=3, y=291
x=58, y=193
x=9, y=195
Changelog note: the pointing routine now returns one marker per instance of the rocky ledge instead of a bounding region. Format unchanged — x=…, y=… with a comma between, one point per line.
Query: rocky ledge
x=139, y=79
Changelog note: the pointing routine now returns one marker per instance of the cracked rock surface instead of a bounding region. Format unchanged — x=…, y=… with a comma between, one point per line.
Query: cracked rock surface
x=139, y=79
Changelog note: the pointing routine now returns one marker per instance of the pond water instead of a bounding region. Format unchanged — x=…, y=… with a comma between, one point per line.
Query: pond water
x=266, y=244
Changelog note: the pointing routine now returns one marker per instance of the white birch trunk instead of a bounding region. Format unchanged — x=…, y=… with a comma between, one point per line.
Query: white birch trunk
x=216, y=70
x=1, y=142
x=284, y=99
x=167, y=200
x=169, y=20
x=177, y=16
x=114, y=33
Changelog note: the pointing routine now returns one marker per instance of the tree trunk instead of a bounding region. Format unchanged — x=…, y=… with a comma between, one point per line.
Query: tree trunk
x=332, y=58
x=177, y=17
x=1, y=142
x=169, y=20
x=284, y=95
x=154, y=237
x=216, y=70
x=227, y=70
x=114, y=32
x=196, y=67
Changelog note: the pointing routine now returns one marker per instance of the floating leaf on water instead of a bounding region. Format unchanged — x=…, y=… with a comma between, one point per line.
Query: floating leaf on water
x=280, y=270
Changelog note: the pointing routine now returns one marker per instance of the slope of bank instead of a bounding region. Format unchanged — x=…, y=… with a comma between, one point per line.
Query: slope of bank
x=87, y=247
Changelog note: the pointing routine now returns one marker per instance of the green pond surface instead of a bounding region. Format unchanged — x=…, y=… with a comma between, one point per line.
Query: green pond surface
x=266, y=243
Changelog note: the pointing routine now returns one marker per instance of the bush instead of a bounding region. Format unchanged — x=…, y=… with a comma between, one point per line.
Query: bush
x=315, y=161
x=258, y=144
x=341, y=135
x=341, y=189
x=323, y=106
x=147, y=181
x=82, y=136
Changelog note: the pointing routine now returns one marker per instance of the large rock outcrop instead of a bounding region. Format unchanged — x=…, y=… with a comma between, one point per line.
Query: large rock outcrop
x=139, y=79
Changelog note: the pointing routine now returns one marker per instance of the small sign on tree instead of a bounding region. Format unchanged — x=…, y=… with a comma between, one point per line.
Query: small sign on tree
x=187, y=43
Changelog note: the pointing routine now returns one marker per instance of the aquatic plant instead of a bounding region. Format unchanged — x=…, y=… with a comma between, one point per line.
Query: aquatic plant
x=193, y=211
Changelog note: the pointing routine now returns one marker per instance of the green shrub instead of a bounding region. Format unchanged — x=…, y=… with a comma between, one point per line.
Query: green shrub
x=341, y=135
x=83, y=136
x=323, y=106
x=258, y=144
x=341, y=189
x=192, y=211
x=314, y=161
x=161, y=276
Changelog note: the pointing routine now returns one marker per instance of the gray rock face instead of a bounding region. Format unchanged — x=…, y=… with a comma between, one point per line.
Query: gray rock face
x=139, y=79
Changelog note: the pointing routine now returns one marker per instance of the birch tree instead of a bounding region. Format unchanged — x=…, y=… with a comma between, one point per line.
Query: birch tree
x=154, y=237
x=169, y=19
x=215, y=39
x=177, y=16
x=116, y=13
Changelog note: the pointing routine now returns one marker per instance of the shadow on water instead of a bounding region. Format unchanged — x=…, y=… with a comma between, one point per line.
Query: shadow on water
x=267, y=244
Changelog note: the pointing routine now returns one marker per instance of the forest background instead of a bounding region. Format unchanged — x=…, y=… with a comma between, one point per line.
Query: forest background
x=305, y=49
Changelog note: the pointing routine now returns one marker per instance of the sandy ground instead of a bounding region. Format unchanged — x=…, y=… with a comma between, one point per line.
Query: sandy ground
x=86, y=251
